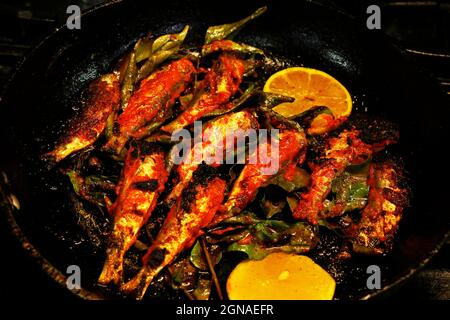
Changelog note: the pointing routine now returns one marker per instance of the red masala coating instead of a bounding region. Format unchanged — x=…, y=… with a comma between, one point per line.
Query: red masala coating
x=156, y=93
x=179, y=231
x=155, y=96
x=101, y=99
x=143, y=178
x=219, y=85
x=190, y=223
x=220, y=45
x=141, y=166
x=292, y=145
x=380, y=218
x=341, y=152
x=214, y=133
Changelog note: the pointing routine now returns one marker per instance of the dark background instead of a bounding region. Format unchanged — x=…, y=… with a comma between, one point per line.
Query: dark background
x=422, y=27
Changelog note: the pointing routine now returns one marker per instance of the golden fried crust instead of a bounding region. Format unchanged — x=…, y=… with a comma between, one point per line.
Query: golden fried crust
x=292, y=144
x=342, y=151
x=387, y=200
x=101, y=99
x=156, y=93
x=212, y=132
x=219, y=85
x=155, y=96
x=184, y=222
x=143, y=179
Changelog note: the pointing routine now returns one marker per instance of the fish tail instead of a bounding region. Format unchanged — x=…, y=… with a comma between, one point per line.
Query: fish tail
x=113, y=267
x=138, y=285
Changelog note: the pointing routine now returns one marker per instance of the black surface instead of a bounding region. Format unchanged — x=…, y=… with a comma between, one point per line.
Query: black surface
x=33, y=280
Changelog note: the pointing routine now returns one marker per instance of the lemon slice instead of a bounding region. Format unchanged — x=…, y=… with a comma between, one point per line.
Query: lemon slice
x=280, y=276
x=310, y=88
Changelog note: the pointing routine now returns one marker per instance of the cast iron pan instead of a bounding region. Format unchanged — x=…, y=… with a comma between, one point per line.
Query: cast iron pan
x=46, y=87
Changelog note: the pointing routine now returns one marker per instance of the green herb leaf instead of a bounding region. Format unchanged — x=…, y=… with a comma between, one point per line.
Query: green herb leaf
x=253, y=251
x=266, y=236
x=258, y=252
x=350, y=189
x=271, y=100
x=197, y=257
x=249, y=93
x=227, y=31
x=157, y=51
x=129, y=80
x=203, y=289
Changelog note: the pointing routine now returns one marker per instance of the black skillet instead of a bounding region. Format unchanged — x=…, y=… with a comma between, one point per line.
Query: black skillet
x=46, y=87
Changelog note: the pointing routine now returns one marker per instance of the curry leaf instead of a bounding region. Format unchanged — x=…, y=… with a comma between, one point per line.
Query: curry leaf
x=129, y=80
x=249, y=93
x=269, y=235
x=253, y=251
x=197, y=257
x=170, y=41
x=271, y=100
x=157, y=51
x=226, y=31
x=258, y=252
